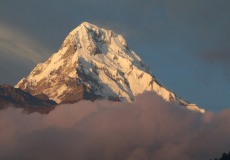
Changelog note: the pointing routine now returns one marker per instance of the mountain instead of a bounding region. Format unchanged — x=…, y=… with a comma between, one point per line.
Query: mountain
x=95, y=63
x=10, y=96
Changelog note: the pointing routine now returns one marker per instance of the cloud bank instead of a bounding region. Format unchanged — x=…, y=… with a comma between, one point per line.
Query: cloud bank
x=145, y=130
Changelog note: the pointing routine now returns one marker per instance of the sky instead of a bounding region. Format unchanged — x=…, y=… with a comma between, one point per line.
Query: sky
x=185, y=43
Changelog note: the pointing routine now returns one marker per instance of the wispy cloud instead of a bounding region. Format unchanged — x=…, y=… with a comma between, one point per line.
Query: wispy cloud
x=219, y=58
x=222, y=57
x=147, y=129
x=14, y=43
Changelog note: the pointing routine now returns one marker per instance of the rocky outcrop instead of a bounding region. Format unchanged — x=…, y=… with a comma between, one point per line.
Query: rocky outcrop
x=15, y=97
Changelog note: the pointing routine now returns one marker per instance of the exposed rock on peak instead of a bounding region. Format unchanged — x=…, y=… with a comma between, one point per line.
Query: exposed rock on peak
x=10, y=96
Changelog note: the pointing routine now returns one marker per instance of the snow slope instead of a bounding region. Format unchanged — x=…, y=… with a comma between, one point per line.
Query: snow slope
x=95, y=63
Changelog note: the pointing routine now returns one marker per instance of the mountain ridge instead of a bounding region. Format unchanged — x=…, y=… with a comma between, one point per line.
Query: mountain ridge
x=10, y=96
x=95, y=63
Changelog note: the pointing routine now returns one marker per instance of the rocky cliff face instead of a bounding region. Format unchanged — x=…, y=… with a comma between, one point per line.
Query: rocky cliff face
x=10, y=96
x=95, y=63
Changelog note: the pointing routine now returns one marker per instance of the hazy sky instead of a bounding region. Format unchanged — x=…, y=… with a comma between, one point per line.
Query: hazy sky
x=186, y=43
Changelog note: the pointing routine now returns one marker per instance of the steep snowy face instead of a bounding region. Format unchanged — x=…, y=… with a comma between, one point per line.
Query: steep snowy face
x=94, y=63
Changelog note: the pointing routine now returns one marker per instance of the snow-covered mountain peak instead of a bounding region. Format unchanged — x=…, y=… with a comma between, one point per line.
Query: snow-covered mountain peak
x=95, y=63
x=94, y=39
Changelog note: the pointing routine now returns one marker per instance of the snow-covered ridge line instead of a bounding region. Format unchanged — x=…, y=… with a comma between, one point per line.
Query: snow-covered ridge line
x=95, y=63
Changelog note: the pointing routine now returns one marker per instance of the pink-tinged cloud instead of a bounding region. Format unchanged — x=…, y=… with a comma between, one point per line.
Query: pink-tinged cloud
x=145, y=130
